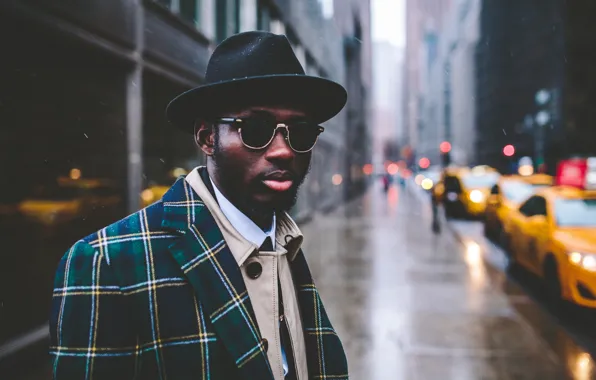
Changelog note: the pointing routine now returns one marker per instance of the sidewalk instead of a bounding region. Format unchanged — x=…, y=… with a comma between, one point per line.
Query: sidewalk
x=409, y=304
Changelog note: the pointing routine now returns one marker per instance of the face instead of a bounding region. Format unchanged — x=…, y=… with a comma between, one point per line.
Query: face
x=255, y=180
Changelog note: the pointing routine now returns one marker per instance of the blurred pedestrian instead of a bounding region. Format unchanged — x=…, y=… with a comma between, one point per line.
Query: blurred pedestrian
x=386, y=182
x=210, y=282
x=436, y=223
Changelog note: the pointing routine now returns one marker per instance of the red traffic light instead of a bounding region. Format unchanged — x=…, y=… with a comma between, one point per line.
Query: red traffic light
x=445, y=147
x=509, y=150
x=424, y=163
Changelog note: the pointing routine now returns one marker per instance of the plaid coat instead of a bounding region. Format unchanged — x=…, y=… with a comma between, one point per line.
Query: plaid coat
x=158, y=295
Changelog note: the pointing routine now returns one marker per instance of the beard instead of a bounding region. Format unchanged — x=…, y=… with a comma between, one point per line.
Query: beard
x=230, y=176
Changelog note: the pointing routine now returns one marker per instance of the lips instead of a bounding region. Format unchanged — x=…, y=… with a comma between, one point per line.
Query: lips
x=279, y=181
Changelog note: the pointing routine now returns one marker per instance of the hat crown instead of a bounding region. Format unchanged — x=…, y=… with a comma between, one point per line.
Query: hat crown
x=252, y=54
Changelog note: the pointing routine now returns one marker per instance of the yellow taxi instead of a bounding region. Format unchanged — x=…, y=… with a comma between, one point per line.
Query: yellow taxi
x=506, y=197
x=69, y=199
x=553, y=235
x=465, y=191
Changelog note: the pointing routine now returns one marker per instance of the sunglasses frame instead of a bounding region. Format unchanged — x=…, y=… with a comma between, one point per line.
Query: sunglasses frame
x=239, y=121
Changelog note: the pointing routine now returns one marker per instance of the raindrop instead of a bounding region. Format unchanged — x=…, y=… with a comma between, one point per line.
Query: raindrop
x=86, y=135
x=358, y=39
x=565, y=57
x=505, y=133
x=161, y=159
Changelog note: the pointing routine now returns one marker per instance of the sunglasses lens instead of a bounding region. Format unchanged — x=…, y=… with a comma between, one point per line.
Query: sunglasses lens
x=257, y=133
x=303, y=136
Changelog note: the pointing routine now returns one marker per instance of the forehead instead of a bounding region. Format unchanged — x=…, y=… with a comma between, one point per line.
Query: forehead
x=279, y=112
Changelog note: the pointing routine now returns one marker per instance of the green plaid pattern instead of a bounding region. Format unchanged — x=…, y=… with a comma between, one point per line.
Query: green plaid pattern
x=158, y=295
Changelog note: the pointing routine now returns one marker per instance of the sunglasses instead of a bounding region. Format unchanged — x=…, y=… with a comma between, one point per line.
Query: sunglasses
x=257, y=133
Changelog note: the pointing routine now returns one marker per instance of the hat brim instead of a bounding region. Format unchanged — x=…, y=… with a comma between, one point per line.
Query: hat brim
x=320, y=99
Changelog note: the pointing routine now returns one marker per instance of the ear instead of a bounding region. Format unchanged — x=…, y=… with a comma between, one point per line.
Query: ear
x=205, y=137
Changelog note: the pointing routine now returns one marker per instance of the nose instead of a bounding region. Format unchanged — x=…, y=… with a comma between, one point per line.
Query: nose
x=279, y=149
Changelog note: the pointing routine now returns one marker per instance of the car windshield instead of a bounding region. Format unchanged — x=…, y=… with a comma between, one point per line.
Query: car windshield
x=433, y=175
x=480, y=181
x=517, y=191
x=576, y=212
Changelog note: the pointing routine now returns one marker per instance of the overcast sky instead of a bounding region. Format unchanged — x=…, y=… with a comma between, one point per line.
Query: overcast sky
x=388, y=21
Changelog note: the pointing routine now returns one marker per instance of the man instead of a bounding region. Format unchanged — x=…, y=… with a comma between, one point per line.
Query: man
x=210, y=282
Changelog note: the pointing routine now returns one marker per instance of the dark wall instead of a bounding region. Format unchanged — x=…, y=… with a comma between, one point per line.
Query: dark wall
x=519, y=53
x=580, y=77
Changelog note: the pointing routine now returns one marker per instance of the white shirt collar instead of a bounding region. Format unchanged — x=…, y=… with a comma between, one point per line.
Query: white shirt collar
x=242, y=223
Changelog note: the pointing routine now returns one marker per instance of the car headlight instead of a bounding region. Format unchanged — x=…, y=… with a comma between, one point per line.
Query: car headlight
x=584, y=260
x=476, y=196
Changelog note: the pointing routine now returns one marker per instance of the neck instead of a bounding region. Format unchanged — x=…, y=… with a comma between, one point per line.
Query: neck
x=260, y=218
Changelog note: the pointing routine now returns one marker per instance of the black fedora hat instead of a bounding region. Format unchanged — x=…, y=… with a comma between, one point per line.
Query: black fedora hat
x=251, y=69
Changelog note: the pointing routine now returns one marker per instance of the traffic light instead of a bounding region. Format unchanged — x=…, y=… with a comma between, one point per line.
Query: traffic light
x=445, y=147
x=509, y=150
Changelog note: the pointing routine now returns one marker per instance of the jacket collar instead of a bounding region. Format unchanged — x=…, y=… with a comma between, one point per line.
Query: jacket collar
x=288, y=236
x=211, y=269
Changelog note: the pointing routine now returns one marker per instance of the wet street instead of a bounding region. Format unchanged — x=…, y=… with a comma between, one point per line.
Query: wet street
x=413, y=305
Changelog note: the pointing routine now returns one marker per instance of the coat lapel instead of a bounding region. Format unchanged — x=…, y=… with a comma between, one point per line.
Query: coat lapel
x=324, y=351
x=211, y=269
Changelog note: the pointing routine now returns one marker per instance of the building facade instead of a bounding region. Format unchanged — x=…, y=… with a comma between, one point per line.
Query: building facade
x=85, y=86
x=448, y=109
x=424, y=19
x=525, y=47
x=387, y=91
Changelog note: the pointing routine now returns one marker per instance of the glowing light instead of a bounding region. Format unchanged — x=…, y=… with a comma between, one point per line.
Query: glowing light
x=392, y=168
x=476, y=196
x=427, y=184
x=445, y=147
x=418, y=179
x=367, y=169
x=526, y=170
x=75, y=173
x=589, y=263
x=337, y=179
x=473, y=253
x=424, y=163
x=575, y=257
x=147, y=195
x=509, y=150
x=583, y=366
x=179, y=172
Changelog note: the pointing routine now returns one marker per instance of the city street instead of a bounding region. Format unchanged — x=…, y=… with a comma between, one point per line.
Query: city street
x=413, y=305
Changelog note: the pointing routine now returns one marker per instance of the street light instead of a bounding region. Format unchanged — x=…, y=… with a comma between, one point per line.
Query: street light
x=445, y=147
x=509, y=150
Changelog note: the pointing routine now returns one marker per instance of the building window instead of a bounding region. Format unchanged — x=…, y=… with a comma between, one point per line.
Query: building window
x=263, y=16
x=189, y=11
x=228, y=18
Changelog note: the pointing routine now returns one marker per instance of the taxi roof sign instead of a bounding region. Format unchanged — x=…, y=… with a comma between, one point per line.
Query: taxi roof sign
x=577, y=172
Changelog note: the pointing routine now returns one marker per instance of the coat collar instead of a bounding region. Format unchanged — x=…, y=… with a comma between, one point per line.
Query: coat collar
x=206, y=261
x=211, y=269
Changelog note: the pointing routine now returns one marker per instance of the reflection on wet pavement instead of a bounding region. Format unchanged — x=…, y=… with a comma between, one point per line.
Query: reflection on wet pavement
x=412, y=305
